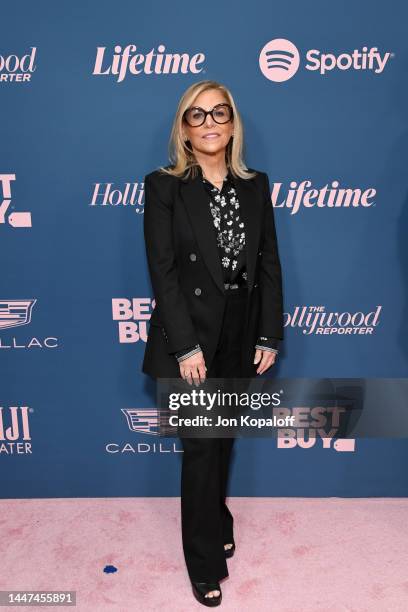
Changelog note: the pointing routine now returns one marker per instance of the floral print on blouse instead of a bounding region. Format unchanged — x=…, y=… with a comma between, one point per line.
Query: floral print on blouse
x=230, y=229
x=230, y=234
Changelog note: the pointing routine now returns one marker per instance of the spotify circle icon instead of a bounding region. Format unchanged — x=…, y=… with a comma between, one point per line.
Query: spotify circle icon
x=279, y=60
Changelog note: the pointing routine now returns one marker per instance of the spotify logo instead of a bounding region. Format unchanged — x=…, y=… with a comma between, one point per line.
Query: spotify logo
x=279, y=60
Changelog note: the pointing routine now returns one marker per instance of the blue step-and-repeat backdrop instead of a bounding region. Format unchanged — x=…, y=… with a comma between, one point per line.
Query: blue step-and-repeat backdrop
x=88, y=93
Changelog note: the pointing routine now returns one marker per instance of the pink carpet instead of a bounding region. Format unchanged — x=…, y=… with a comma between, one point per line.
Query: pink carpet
x=293, y=554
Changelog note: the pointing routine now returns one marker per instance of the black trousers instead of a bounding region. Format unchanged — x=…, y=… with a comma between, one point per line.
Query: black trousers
x=207, y=523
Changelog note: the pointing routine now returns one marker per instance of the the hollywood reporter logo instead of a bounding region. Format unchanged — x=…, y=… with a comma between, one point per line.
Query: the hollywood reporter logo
x=130, y=195
x=15, y=219
x=315, y=320
x=279, y=60
x=17, y=69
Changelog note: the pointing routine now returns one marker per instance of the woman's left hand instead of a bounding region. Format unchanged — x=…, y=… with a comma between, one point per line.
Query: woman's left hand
x=266, y=358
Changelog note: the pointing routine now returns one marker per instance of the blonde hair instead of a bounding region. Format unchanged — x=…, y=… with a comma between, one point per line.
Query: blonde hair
x=184, y=163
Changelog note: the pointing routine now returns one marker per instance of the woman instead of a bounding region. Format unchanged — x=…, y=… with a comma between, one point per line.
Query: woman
x=216, y=276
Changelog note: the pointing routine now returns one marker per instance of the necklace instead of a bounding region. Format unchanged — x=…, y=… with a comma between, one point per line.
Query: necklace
x=215, y=180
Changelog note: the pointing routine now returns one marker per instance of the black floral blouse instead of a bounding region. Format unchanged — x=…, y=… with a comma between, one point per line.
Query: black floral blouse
x=230, y=229
x=230, y=233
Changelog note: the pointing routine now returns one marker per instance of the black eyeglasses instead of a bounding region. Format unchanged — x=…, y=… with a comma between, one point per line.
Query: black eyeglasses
x=195, y=116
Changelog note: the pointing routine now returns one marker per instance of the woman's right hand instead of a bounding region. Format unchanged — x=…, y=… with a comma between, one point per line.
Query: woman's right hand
x=193, y=368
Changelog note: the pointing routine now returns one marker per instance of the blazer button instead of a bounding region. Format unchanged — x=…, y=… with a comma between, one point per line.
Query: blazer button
x=260, y=253
x=197, y=291
x=193, y=256
x=256, y=284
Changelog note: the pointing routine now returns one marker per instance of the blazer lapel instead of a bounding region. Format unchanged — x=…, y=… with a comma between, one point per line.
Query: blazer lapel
x=251, y=206
x=196, y=202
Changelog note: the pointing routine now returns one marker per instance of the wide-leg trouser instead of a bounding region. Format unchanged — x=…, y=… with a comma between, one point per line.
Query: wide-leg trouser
x=207, y=523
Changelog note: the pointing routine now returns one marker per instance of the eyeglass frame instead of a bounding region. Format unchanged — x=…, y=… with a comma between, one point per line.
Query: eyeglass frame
x=210, y=112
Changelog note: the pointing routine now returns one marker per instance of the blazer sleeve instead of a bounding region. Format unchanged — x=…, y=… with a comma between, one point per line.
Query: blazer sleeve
x=270, y=273
x=170, y=300
x=269, y=344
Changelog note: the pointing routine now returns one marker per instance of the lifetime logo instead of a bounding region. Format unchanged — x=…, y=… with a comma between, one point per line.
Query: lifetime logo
x=127, y=60
x=279, y=60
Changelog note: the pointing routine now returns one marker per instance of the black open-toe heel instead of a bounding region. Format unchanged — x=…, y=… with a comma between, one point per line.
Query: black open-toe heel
x=201, y=588
x=229, y=552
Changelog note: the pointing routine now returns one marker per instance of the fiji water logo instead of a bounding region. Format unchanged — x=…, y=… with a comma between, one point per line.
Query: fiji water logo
x=279, y=60
x=126, y=61
x=15, y=436
x=15, y=219
x=14, y=424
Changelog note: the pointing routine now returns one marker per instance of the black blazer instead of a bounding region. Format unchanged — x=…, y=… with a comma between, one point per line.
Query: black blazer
x=187, y=276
